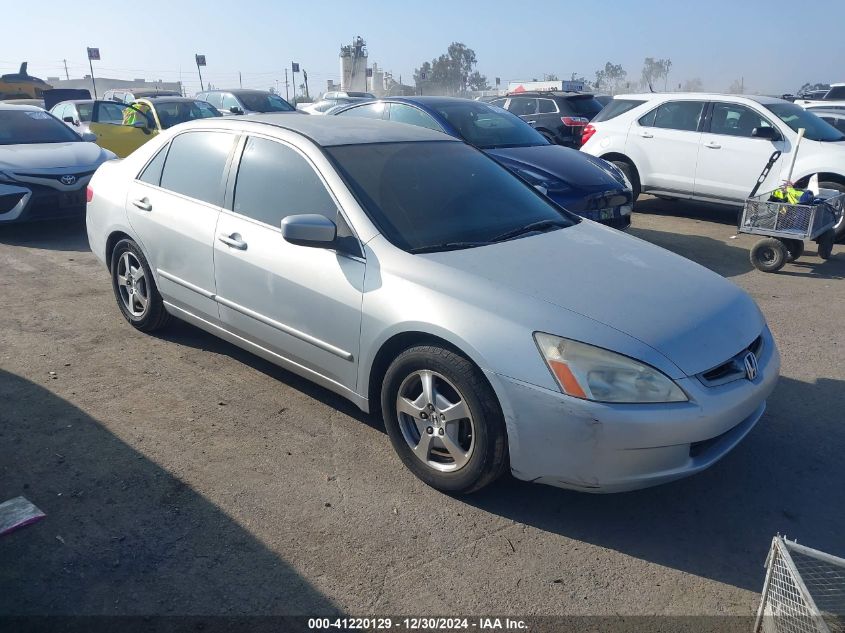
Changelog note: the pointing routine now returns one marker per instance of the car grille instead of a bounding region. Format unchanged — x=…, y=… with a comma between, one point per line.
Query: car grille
x=79, y=175
x=47, y=202
x=733, y=369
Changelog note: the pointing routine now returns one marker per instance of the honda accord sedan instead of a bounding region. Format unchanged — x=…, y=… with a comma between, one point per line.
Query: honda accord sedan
x=413, y=274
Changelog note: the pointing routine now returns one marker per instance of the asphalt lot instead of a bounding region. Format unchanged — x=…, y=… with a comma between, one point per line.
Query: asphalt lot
x=181, y=475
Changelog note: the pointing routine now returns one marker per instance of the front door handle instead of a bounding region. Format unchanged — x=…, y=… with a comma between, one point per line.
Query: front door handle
x=143, y=204
x=712, y=145
x=234, y=240
x=531, y=122
x=646, y=135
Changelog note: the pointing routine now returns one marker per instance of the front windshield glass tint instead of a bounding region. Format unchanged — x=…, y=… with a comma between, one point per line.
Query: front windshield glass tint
x=172, y=113
x=487, y=126
x=26, y=127
x=427, y=194
x=259, y=102
x=797, y=117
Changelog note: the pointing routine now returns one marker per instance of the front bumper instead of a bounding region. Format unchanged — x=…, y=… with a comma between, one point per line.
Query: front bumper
x=595, y=447
x=30, y=201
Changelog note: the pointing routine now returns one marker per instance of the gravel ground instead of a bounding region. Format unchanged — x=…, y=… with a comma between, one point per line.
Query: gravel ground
x=181, y=475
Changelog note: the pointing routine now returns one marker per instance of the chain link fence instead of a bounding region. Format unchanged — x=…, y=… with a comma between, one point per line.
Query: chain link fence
x=804, y=591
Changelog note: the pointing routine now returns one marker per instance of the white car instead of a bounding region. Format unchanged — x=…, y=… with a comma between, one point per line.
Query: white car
x=835, y=94
x=712, y=147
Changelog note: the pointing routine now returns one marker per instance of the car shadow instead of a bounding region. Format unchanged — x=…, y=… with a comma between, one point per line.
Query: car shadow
x=186, y=335
x=705, y=211
x=785, y=478
x=56, y=235
x=122, y=535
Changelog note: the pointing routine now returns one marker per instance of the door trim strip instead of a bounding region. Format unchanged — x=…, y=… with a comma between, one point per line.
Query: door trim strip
x=302, y=336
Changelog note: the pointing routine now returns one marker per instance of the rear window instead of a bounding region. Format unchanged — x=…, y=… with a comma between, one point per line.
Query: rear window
x=195, y=163
x=585, y=105
x=837, y=92
x=615, y=108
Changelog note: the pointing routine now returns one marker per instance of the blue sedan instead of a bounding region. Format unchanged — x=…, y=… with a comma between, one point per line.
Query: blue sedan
x=588, y=186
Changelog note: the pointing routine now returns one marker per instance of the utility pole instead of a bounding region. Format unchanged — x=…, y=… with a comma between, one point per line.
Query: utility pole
x=287, y=94
x=67, y=76
x=240, y=79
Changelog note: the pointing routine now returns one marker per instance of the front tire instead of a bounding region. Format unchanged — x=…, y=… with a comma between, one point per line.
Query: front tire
x=135, y=289
x=769, y=255
x=443, y=420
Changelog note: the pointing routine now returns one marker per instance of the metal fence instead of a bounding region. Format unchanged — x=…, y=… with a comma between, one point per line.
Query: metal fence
x=804, y=591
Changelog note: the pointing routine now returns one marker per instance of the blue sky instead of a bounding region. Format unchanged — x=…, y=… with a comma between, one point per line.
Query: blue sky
x=764, y=42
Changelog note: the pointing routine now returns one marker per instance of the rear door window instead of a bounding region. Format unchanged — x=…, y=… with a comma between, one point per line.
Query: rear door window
x=402, y=113
x=152, y=172
x=195, y=165
x=369, y=111
x=675, y=115
x=523, y=106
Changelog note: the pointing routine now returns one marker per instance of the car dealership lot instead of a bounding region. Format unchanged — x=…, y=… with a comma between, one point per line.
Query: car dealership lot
x=183, y=475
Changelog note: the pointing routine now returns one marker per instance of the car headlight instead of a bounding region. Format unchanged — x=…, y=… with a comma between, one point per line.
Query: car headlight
x=592, y=373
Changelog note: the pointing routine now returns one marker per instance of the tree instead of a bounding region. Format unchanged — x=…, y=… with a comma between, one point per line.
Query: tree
x=451, y=73
x=693, y=85
x=653, y=70
x=477, y=81
x=610, y=77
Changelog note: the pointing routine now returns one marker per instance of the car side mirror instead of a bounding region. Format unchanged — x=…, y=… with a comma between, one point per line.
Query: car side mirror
x=236, y=110
x=68, y=119
x=768, y=133
x=89, y=137
x=309, y=229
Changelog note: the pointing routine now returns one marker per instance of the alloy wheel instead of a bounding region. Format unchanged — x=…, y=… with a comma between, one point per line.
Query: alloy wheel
x=435, y=421
x=132, y=284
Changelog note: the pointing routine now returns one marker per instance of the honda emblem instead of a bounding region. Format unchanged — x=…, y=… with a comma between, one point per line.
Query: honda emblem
x=751, y=367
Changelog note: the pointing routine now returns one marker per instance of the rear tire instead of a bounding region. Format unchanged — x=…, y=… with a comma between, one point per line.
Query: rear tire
x=135, y=288
x=768, y=255
x=458, y=453
x=632, y=176
x=825, y=244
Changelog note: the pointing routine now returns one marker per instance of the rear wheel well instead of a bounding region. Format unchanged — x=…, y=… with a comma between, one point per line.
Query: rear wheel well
x=114, y=238
x=388, y=352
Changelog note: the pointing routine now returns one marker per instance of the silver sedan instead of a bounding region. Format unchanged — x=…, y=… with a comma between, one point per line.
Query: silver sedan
x=412, y=274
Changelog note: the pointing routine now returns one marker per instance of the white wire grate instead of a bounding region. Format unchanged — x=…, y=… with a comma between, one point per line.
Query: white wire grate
x=804, y=591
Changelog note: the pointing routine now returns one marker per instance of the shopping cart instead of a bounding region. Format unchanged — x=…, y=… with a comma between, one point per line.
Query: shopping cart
x=804, y=591
x=787, y=226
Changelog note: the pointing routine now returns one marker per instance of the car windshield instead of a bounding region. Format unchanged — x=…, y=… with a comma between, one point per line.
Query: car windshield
x=260, y=102
x=433, y=196
x=797, y=117
x=175, y=112
x=487, y=126
x=24, y=127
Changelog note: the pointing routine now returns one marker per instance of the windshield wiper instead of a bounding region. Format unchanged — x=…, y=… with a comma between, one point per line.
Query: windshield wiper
x=446, y=246
x=530, y=228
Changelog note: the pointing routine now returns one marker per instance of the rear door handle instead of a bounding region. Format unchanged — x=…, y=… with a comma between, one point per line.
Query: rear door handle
x=234, y=240
x=712, y=145
x=143, y=204
x=646, y=134
x=531, y=122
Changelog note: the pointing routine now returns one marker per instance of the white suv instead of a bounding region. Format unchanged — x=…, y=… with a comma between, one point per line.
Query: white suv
x=713, y=147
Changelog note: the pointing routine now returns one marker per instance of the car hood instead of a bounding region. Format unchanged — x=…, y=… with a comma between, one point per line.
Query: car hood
x=692, y=316
x=572, y=167
x=50, y=155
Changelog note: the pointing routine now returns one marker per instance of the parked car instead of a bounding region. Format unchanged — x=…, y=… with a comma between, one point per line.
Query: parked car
x=836, y=92
x=713, y=147
x=409, y=272
x=131, y=95
x=117, y=127
x=591, y=188
x=345, y=94
x=123, y=128
x=324, y=105
x=39, y=103
x=834, y=117
x=242, y=101
x=559, y=116
x=44, y=166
